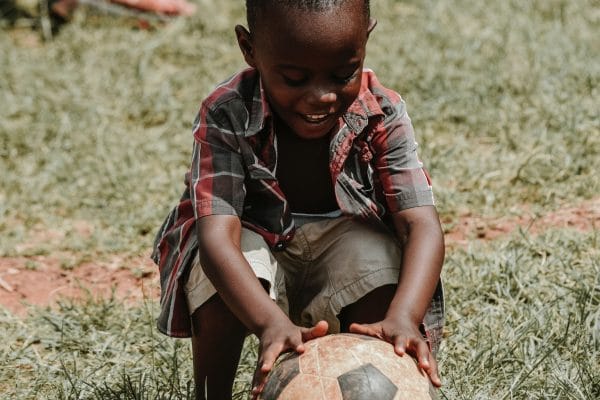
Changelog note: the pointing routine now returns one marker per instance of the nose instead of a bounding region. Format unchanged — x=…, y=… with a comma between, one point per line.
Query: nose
x=330, y=97
x=322, y=96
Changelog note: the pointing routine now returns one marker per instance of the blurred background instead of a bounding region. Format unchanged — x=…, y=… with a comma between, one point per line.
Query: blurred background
x=96, y=110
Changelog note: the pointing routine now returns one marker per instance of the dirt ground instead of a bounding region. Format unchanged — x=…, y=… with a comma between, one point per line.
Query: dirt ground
x=584, y=217
x=131, y=279
x=44, y=280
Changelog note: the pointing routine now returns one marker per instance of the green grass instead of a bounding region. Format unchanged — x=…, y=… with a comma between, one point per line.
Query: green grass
x=95, y=127
x=524, y=318
x=523, y=323
x=98, y=349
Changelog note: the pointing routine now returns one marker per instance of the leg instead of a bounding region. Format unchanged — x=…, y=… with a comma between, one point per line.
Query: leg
x=368, y=309
x=217, y=340
x=217, y=334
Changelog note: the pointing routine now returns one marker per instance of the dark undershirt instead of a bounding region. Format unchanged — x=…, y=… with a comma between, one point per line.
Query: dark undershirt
x=303, y=172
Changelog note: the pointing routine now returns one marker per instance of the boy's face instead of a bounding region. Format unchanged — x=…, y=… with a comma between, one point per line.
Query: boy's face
x=310, y=62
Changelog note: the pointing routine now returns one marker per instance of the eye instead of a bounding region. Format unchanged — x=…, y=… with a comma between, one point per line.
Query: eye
x=294, y=82
x=346, y=78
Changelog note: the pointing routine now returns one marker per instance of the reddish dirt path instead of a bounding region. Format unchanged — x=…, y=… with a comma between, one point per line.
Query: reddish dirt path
x=585, y=217
x=42, y=280
x=131, y=279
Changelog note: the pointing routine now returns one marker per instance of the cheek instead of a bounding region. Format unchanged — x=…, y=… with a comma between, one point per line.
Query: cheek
x=282, y=97
x=350, y=92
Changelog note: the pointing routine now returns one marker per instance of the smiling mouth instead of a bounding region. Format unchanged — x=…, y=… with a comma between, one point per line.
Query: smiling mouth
x=315, y=118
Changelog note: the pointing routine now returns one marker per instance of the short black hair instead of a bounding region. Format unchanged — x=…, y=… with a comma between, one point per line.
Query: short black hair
x=255, y=7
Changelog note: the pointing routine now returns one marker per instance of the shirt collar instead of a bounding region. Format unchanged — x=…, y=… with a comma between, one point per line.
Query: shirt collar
x=261, y=111
x=363, y=108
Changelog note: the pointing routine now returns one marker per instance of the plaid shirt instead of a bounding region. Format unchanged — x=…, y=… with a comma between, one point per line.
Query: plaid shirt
x=374, y=165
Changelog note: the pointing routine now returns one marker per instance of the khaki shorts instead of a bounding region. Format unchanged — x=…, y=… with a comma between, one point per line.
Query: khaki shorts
x=329, y=264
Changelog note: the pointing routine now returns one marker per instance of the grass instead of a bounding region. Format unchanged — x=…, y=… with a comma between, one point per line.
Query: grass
x=523, y=323
x=97, y=349
x=524, y=318
x=95, y=126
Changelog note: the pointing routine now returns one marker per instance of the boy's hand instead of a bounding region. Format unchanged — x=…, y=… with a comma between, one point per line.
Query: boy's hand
x=279, y=338
x=406, y=338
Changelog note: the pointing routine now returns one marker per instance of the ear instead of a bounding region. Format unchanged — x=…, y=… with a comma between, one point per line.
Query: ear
x=244, y=39
x=372, y=24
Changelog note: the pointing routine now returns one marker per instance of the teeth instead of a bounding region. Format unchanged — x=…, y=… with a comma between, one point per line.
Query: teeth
x=316, y=117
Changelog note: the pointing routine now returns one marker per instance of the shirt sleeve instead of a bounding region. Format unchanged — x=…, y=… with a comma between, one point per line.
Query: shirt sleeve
x=404, y=181
x=217, y=172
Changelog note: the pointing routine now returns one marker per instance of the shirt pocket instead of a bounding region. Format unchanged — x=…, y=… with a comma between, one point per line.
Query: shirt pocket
x=359, y=174
x=359, y=198
x=260, y=185
x=263, y=204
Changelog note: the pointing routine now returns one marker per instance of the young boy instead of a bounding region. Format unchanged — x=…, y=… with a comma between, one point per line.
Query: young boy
x=304, y=188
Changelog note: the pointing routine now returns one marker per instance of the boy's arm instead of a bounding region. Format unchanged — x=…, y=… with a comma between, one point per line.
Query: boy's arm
x=419, y=230
x=227, y=269
x=420, y=233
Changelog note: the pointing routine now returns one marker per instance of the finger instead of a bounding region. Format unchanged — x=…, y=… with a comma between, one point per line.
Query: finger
x=269, y=356
x=265, y=363
x=422, y=354
x=401, y=345
x=434, y=375
x=320, y=329
x=256, y=391
x=363, y=329
x=427, y=363
x=258, y=382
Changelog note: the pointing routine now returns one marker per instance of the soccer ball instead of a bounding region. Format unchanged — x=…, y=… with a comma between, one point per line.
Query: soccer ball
x=347, y=367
